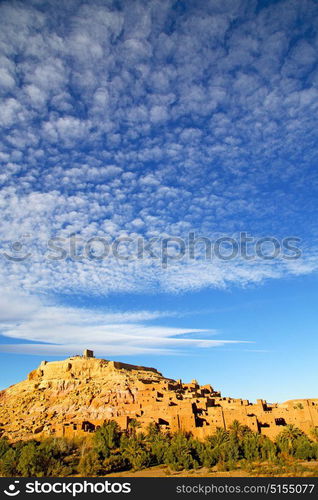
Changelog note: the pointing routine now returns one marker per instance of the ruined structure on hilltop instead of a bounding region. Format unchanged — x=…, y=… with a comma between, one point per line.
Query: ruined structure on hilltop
x=75, y=396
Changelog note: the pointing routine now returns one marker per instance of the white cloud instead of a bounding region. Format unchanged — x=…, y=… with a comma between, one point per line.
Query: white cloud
x=62, y=328
x=155, y=121
x=158, y=114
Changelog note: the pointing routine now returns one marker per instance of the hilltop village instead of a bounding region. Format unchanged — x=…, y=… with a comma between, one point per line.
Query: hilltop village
x=75, y=396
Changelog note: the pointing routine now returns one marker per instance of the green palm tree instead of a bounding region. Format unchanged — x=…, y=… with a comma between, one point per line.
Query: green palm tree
x=238, y=430
x=133, y=426
x=107, y=438
x=219, y=438
x=153, y=430
x=137, y=452
x=218, y=443
x=288, y=436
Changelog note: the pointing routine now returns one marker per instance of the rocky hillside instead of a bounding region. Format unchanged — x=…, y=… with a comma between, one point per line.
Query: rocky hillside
x=61, y=391
x=76, y=395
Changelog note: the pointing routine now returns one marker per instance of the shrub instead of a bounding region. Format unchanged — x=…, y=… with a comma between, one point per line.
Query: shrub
x=158, y=444
x=4, y=446
x=8, y=463
x=114, y=463
x=268, y=449
x=31, y=461
x=181, y=453
x=304, y=449
x=107, y=438
x=251, y=446
x=54, y=453
x=232, y=450
x=89, y=464
x=133, y=426
x=314, y=433
x=137, y=452
x=208, y=456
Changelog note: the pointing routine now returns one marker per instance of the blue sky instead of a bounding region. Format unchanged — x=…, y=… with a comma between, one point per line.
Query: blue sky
x=132, y=121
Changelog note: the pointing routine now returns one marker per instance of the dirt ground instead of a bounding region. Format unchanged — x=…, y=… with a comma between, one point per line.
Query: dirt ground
x=302, y=469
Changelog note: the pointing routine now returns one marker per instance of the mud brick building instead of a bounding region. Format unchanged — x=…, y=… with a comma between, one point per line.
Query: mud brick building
x=76, y=395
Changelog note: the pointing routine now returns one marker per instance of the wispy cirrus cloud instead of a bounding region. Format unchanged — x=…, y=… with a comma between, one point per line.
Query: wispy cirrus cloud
x=66, y=330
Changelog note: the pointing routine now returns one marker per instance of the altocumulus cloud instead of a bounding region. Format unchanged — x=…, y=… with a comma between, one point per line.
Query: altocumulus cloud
x=155, y=118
